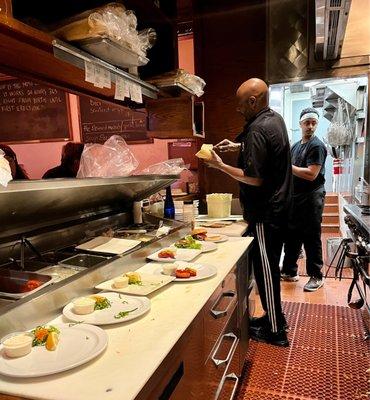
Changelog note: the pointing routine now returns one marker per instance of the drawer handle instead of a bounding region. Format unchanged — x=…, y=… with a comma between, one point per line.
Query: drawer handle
x=232, y=377
x=219, y=362
x=222, y=313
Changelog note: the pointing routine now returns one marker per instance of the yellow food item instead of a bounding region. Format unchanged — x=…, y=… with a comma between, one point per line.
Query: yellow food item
x=205, y=152
x=96, y=297
x=133, y=278
x=52, y=341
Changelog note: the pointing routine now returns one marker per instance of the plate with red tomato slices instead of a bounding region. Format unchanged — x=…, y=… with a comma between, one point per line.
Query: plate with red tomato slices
x=185, y=272
x=170, y=255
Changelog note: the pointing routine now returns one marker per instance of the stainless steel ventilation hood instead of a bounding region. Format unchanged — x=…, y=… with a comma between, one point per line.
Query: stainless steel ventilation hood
x=331, y=22
x=28, y=206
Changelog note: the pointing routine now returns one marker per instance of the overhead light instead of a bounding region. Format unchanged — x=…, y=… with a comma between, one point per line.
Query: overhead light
x=310, y=84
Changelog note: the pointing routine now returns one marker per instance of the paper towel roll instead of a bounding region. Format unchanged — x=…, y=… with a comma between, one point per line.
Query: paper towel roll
x=137, y=211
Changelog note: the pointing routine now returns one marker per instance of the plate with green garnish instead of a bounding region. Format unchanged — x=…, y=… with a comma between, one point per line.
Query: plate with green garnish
x=110, y=308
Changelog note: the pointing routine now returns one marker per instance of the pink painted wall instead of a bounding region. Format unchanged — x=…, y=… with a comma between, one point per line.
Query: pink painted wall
x=37, y=158
x=186, y=53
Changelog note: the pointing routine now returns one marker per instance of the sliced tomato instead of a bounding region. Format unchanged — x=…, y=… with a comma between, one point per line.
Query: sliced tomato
x=193, y=272
x=182, y=273
x=166, y=254
x=31, y=285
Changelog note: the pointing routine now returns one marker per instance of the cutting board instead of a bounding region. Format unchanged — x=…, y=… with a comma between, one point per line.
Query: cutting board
x=236, y=229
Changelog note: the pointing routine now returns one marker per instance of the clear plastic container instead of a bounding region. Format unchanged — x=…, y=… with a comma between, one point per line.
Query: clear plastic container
x=188, y=212
x=219, y=205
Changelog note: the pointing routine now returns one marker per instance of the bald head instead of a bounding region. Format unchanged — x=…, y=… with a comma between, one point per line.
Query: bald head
x=252, y=96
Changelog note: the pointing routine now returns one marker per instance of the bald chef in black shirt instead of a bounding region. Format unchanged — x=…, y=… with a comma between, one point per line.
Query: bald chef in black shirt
x=308, y=158
x=264, y=173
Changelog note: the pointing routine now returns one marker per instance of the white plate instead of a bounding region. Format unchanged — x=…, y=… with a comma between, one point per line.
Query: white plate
x=150, y=283
x=78, y=344
x=118, y=303
x=223, y=238
x=206, y=218
x=204, y=271
x=206, y=246
x=181, y=255
x=210, y=224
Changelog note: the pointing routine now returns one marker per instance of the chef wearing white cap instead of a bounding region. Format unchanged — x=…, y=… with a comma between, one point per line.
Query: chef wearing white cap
x=308, y=159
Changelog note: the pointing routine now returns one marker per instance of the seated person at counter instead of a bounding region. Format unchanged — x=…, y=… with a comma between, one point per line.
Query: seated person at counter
x=69, y=164
x=17, y=170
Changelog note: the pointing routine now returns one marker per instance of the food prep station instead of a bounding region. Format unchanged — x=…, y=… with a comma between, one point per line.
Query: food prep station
x=47, y=226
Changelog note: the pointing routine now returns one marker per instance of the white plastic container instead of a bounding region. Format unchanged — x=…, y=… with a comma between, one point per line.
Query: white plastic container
x=219, y=205
x=18, y=345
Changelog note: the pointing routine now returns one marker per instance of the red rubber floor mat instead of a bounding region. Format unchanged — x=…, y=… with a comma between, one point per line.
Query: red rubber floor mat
x=327, y=358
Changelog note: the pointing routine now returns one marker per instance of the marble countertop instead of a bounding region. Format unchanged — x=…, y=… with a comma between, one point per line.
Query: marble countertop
x=137, y=348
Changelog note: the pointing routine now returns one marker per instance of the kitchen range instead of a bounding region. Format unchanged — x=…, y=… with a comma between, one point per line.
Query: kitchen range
x=358, y=221
x=161, y=315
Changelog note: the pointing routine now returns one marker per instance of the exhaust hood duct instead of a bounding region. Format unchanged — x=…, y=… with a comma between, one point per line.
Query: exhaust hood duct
x=331, y=21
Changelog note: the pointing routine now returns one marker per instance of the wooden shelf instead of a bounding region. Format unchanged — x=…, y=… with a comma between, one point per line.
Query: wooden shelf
x=28, y=52
x=175, y=118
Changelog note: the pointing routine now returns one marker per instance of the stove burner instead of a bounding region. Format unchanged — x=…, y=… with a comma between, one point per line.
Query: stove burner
x=365, y=210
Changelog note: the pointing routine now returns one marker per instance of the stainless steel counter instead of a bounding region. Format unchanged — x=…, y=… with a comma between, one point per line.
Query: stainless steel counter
x=355, y=211
x=47, y=303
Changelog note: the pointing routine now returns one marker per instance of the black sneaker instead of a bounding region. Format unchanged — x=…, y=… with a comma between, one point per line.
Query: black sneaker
x=255, y=323
x=313, y=284
x=265, y=335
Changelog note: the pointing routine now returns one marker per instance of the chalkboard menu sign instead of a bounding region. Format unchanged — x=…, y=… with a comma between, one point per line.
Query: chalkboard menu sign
x=101, y=120
x=32, y=112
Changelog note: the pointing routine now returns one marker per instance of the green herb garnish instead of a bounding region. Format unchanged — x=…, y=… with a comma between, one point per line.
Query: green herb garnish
x=138, y=283
x=70, y=325
x=188, y=243
x=123, y=314
x=41, y=333
x=101, y=303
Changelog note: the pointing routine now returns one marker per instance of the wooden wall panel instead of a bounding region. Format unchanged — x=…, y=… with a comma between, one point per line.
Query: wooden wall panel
x=229, y=42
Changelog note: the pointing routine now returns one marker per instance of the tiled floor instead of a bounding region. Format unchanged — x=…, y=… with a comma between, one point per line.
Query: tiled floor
x=327, y=358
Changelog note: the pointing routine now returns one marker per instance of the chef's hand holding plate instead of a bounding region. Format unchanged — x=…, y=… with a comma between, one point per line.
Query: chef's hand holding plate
x=215, y=161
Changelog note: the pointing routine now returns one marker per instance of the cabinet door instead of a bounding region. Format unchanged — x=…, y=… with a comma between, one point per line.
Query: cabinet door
x=218, y=311
x=216, y=366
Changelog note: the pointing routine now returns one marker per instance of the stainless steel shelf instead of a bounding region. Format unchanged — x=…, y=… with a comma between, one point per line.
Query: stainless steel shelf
x=72, y=55
x=175, y=89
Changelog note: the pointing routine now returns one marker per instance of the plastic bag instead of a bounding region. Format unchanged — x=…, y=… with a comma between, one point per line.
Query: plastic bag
x=112, y=21
x=173, y=166
x=340, y=132
x=5, y=171
x=113, y=158
x=192, y=82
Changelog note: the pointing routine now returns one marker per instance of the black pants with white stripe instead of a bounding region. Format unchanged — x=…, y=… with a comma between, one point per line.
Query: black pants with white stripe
x=266, y=254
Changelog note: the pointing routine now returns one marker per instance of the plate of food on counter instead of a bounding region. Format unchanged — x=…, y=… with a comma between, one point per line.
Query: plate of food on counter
x=202, y=234
x=185, y=272
x=49, y=349
x=188, y=242
x=106, y=308
x=171, y=254
x=135, y=283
